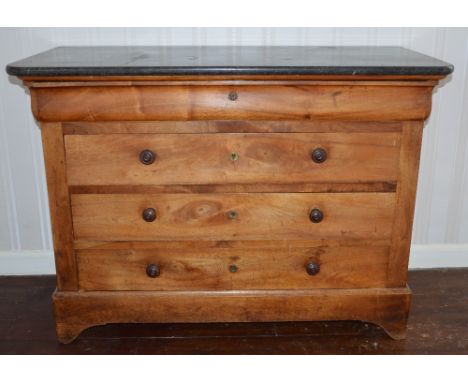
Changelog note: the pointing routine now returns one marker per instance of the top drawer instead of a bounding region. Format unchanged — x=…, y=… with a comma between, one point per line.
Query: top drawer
x=270, y=158
x=291, y=101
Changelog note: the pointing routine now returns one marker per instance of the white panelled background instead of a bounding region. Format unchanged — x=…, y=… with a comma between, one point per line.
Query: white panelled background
x=440, y=236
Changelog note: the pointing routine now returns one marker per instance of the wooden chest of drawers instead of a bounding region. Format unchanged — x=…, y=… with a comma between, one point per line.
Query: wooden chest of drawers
x=231, y=184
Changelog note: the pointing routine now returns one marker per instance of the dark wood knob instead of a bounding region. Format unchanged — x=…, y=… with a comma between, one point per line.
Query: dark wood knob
x=233, y=96
x=153, y=270
x=312, y=268
x=319, y=155
x=147, y=157
x=316, y=216
x=149, y=214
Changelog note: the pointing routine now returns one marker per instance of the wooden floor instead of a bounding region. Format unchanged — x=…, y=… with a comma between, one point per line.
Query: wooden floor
x=438, y=324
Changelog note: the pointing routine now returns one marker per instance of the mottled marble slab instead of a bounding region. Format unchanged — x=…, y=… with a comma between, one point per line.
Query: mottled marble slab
x=222, y=60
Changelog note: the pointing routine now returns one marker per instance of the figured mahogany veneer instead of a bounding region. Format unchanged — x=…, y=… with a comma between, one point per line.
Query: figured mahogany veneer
x=241, y=177
x=212, y=102
x=231, y=158
x=257, y=267
x=257, y=216
x=210, y=198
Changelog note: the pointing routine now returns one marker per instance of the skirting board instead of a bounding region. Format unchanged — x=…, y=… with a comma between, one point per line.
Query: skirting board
x=439, y=256
x=27, y=263
x=422, y=256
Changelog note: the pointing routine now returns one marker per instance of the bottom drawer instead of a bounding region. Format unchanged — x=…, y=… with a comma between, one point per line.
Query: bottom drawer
x=278, y=266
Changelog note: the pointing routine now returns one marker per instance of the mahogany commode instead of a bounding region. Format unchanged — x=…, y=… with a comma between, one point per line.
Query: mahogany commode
x=211, y=184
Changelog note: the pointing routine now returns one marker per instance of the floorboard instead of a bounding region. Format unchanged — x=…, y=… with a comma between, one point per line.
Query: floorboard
x=438, y=324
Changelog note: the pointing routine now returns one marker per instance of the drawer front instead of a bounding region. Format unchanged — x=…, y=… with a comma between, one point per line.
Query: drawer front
x=119, y=159
x=375, y=102
x=283, y=267
x=270, y=216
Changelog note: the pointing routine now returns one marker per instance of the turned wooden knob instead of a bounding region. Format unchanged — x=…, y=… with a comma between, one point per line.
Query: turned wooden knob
x=319, y=155
x=149, y=214
x=153, y=270
x=312, y=268
x=147, y=157
x=316, y=216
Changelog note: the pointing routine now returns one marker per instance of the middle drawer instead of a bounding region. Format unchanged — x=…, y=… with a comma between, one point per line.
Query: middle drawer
x=269, y=158
x=232, y=216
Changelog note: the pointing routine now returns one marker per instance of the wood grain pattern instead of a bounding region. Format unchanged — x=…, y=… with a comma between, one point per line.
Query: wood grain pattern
x=205, y=216
x=439, y=301
x=371, y=128
x=187, y=245
x=405, y=203
x=230, y=126
x=206, y=158
x=236, y=188
x=267, y=102
x=74, y=311
x=199, y=268
x=59, y=204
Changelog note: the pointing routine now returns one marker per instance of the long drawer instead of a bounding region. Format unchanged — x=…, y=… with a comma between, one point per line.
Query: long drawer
x=246, y=102
x=165, y=159
x=278, y=266
x=270, y=216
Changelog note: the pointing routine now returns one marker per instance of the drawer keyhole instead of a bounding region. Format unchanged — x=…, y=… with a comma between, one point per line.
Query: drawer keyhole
x=234, y=156
x=233, y=96
x=232, y=215
x=233, y=268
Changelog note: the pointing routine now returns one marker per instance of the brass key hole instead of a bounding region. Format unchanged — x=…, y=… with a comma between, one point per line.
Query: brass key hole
x=233, y=268
x=233, y=96
x=234, y=156
x=232, y=215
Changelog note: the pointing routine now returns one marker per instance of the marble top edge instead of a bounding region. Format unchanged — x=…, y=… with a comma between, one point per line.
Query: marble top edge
x=228, y=60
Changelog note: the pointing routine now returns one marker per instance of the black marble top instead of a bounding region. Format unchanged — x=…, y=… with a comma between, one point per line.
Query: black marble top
x=220, y=60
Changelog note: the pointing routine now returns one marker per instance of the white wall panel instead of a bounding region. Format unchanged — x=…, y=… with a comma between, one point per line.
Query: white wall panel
x=447, y=127
x=441, y=207
x=459, y=119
